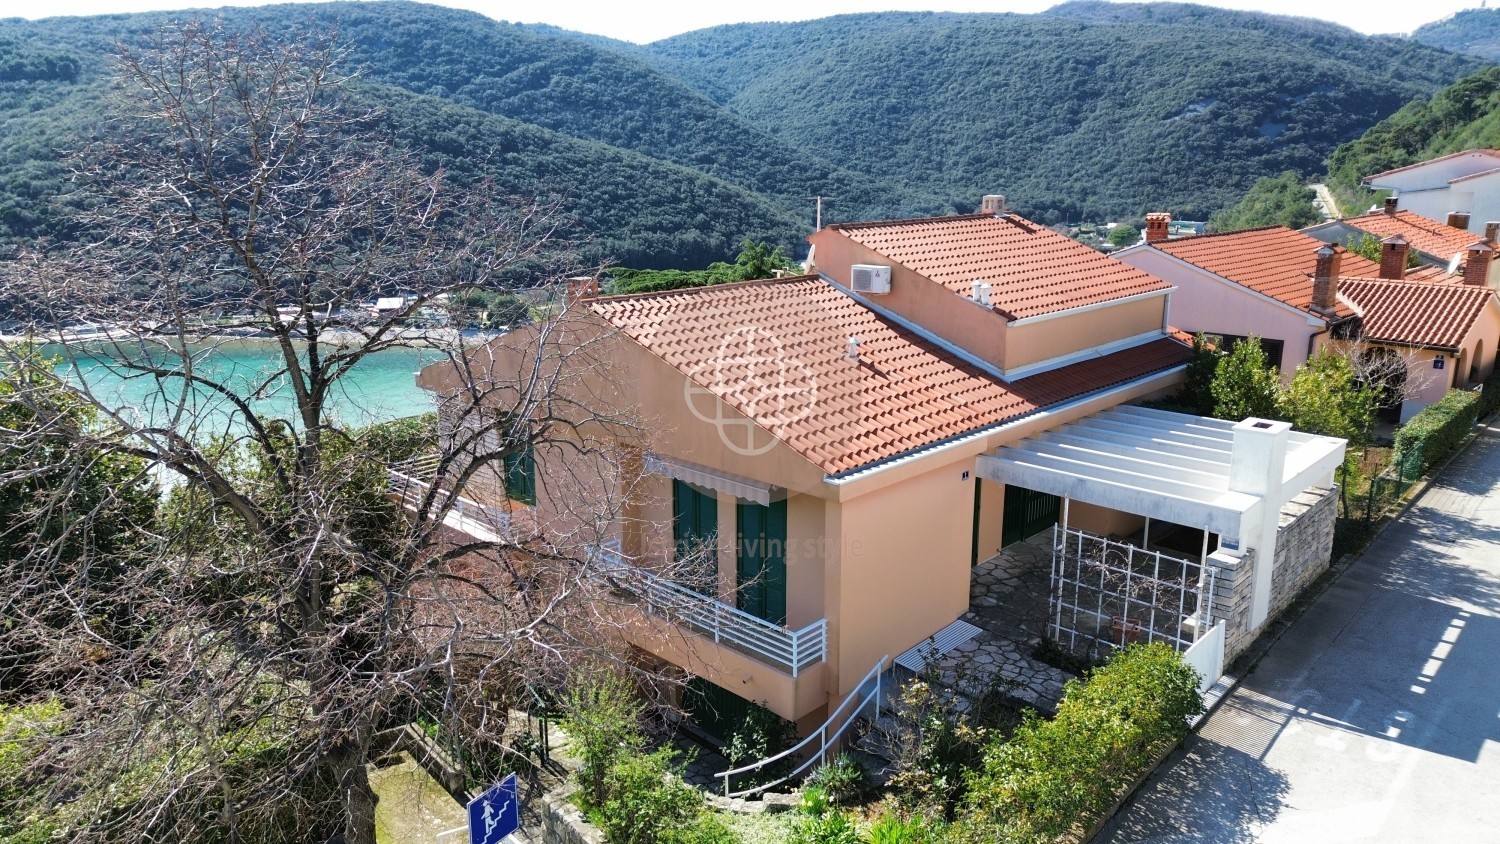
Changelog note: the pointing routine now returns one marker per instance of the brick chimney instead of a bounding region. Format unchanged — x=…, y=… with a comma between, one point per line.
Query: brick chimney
x=1158, y=223
x=1491, y=231
x=1477, y=264
x=1459, y=220
x=1393, y=252
x=993, y=203
x=581, y=288
x=1390, y=205
x=1325, y=296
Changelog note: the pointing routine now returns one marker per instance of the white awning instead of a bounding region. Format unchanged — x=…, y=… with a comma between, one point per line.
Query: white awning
x=710, y=478
x=1167, y=466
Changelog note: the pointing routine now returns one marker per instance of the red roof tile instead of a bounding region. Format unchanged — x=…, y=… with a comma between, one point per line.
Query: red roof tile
x=1437, y=239
x=1273, y=261
x=776, y=351
x=1414, y=313
x=1033, y=269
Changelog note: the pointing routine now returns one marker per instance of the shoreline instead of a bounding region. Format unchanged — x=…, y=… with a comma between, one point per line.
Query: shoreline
x=411, y=337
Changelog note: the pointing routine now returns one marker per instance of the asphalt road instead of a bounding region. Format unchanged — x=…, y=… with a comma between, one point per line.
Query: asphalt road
x=1376, y=718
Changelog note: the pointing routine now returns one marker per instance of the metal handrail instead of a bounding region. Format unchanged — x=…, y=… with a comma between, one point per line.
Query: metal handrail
x=407, y=474
x=821, y=735
x=792, y=650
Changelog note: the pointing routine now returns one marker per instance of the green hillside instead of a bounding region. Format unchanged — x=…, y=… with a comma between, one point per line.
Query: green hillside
x=1088, y=111
x=1474, y=31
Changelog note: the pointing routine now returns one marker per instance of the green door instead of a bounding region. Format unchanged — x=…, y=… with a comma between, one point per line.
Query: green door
x=762, y=560
x=695, y=524
x=1027, y=513
x=714, y=709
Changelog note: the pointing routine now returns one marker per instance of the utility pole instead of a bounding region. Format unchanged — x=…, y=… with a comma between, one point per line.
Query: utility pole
x=819, y=198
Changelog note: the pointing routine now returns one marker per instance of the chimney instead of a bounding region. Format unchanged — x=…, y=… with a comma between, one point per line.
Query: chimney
x=993, y=203
x=1325, y=296
x=1491, y=231
x=1157, y=225
x=981, y=292
x=581, y=288
x=1390, y=205
x=1477, y=265
x=1458, y=220
x=1393, y=252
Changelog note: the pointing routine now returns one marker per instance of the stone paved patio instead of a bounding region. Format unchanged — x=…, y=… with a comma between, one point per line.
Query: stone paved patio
x=1008, y=601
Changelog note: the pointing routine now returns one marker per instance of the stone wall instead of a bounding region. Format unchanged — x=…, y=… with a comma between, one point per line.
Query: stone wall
x=1304, y=546
x=563, y=823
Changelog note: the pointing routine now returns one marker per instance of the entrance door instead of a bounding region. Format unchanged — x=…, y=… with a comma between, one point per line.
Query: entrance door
x=714, y=709
x=762, y=560
x=1027, y=513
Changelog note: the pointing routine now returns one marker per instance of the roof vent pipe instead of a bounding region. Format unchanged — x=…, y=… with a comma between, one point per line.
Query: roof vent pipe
x=853, y=352
x=981, y=292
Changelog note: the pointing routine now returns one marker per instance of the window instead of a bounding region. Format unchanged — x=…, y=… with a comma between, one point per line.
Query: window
x=761, y=568
x=1227, y=342
x=520, y=475
x=695, y=530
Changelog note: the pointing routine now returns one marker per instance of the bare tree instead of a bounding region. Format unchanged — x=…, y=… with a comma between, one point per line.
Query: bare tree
x=284, y=607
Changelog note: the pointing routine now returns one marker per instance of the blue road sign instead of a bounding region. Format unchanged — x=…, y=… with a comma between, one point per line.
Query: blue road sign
x=495, y=813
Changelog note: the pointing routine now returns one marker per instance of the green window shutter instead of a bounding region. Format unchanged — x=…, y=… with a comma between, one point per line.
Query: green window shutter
x=520, y=475
x=761, y=566
x=695, y=527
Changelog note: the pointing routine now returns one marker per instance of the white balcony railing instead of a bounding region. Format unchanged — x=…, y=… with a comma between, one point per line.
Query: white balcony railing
x=412, y=479
x=788, y=650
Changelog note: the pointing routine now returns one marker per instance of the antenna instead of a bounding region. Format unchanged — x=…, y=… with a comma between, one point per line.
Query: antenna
x=820, y=198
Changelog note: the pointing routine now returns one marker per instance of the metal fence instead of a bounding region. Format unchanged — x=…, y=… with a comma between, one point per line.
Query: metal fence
x=1364, y=501
x=1107, y=594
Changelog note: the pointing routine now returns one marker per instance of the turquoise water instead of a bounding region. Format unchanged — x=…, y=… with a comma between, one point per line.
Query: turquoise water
x=379, y=388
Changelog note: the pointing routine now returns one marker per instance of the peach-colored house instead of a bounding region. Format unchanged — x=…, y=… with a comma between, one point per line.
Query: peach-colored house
x=840, y=443
x=1437, y=246
x=1298, y=294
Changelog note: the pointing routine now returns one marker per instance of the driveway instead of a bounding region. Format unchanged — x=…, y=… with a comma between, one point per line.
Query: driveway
x=1377, y=716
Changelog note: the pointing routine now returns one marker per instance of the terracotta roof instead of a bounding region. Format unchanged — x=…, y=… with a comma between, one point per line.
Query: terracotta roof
x=1274, y=261
x=1033, y=269
x=777, y=352
x=1436, y=239
x=1414, y=313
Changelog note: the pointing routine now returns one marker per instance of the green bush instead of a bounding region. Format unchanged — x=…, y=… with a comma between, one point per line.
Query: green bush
x=827, y=828
x=933, y=754
x=602, y=717
x=1436, y=431
x=1053, y=776
x=645, y=803
x=842, y=780
x=1489, y=395
x=891, y=828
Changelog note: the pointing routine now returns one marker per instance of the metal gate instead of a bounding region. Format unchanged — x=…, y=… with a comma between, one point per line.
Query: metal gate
x=1107, y=594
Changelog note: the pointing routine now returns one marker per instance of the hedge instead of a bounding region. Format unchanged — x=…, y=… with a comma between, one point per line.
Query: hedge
x=1053, y=777
x=1436, y=431
x=1489, y=395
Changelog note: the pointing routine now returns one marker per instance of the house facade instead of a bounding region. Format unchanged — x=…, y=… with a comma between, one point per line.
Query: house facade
x=814, y=465
x=1467, y=183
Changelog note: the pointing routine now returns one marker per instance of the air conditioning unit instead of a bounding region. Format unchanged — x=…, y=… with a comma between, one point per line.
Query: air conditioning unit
x=870, y=278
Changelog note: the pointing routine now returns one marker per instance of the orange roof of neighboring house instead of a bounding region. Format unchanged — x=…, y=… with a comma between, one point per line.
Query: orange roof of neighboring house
x=1274, y=261
x=1414, y=313
x=1033, y=269
x=777, y=351
x=1424, y=235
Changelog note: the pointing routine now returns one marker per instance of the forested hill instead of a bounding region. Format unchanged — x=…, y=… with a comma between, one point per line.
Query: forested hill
x=1089, y=110
x=1474, y=31
x=668, y=154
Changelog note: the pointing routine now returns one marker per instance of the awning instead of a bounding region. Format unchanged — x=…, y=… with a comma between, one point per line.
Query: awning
x=709, y=478
x=1167, y=466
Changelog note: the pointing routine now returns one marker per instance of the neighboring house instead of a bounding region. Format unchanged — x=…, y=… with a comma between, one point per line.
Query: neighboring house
x=1441, y=248
x=1298, y=294
x=1256, y=282
x=1466, y=182
x=847, y=445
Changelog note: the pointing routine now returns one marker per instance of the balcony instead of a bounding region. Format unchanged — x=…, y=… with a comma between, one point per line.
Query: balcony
x=411, y=481
x=788, y=651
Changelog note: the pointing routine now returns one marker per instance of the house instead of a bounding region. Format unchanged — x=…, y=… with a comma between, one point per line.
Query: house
x=1465, y=182
x=1298, y=294
x=825, y=458
x=1439, y=249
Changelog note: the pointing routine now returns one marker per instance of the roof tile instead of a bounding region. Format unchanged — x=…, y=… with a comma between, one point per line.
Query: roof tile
x=1424, y=235
x=776, y=351
x=1414, y=313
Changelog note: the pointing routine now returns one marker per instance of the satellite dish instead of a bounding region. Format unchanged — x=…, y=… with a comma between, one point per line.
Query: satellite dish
x=1454, y=262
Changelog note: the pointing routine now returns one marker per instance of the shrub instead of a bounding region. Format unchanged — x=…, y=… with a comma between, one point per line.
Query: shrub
x=891, y=828
x=1245, y=384
x=1053, y=775
x=760, y=735
x=1436, y=431
x=1489, y=395
x=602, y=717
x=932, y=754
x=842, y=780
x=827, y=828
x=645, y=803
